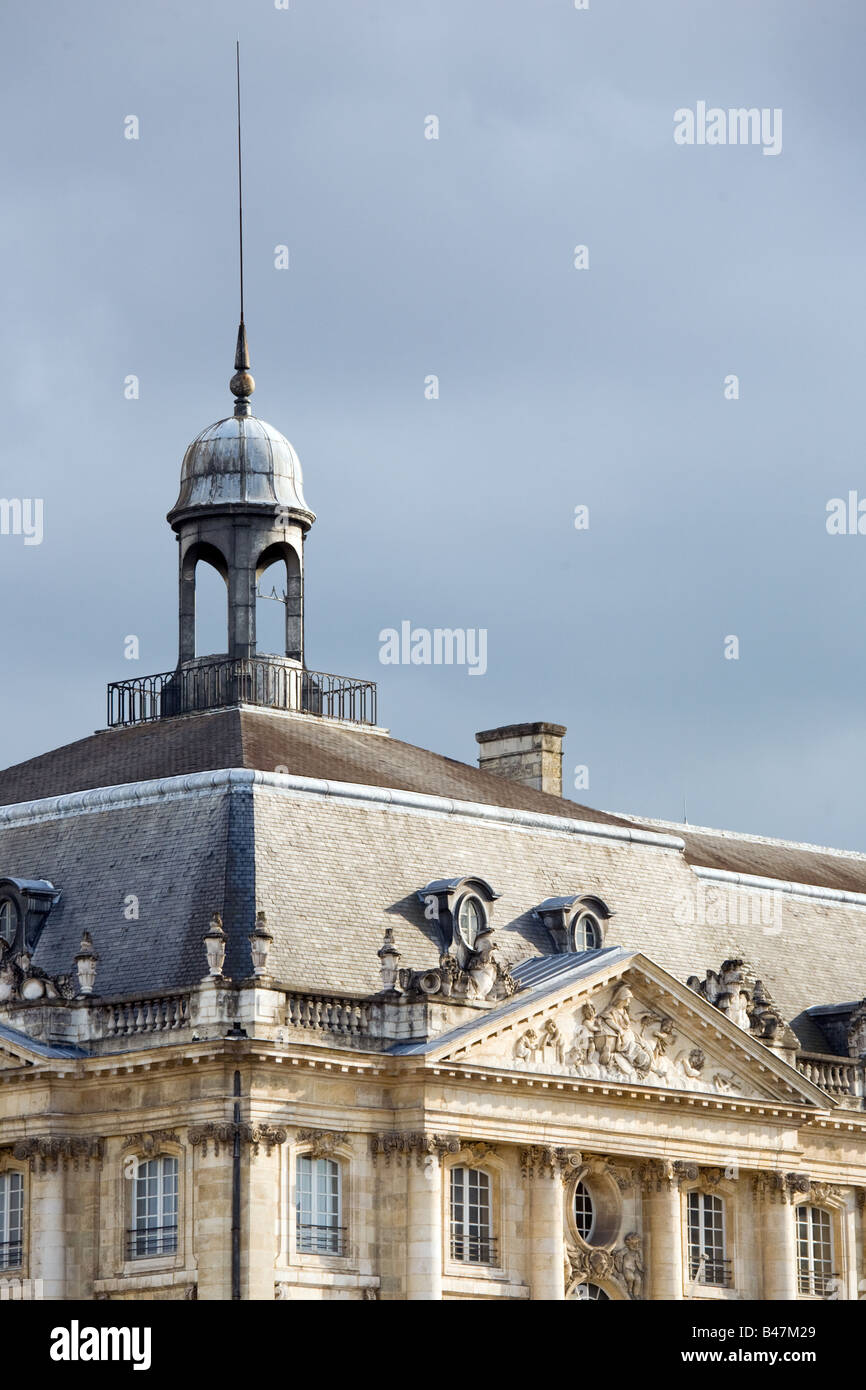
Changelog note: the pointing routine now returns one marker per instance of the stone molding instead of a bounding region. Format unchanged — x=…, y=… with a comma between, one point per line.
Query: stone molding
x=623, y=1266
x=403, y=1147
x=547, y=1161
x=222, y=1136
x=50, y=1152
x=150, y=1141
x=323, y=1143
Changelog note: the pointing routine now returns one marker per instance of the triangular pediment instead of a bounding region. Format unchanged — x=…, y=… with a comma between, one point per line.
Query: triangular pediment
x=617, y=1019
x=18, y=1050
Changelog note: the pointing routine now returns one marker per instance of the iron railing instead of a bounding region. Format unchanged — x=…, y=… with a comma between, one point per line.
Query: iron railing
x=10, y=1254
x=257, y=680
x=707, y=1269
x=820, y=1283
x=321, y=1240
x=153, y=1240
x=473, y=1249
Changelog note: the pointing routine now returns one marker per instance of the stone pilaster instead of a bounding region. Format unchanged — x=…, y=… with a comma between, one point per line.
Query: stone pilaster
x=778, y=1232
x=544, y=1171
x=665, y=1229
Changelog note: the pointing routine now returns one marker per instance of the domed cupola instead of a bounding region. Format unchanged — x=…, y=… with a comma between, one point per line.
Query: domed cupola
x=241, y=508
x=242, y=461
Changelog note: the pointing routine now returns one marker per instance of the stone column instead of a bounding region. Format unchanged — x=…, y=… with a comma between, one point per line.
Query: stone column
x=260, y=1188
x=665, y=1227
x=213, y=1210
x=546, y=1242
x=48, y=1226
x=778, y=1236
x=425, y=1234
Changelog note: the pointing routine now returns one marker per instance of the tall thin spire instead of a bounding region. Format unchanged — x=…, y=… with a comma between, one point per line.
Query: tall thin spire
x=242, y=384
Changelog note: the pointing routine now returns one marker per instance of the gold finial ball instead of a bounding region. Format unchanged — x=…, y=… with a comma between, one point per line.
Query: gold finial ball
x=242, y=384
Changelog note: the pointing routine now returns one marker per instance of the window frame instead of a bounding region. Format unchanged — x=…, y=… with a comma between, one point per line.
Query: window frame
x=705, y=1201
x=487, y=1243
x=7, y=1177
x=166, y=1250
x=584, y=914
x=833, y=1245
x=339, y=1227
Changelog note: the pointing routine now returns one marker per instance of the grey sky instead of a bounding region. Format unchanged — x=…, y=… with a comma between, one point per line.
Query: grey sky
x=558, y=387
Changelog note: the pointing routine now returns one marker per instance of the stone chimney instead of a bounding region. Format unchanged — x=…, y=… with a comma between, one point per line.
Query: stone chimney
x=527, y=753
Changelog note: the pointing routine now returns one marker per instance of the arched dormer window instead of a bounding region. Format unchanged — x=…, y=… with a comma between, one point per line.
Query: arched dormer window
x=24, y=907
x=575, y=922
x=9, y=920
x=461, y=909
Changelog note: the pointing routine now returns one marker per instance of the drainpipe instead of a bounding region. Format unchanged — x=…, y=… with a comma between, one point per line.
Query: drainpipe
x=236, y=1191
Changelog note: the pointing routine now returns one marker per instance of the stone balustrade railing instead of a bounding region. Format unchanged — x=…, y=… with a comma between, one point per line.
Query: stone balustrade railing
x=161, y=1014
x=838, y=1076
x=328, y=1014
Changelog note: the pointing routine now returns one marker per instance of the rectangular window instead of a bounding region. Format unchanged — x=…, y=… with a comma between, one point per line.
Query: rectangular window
x=11, y=1220
x=706, y=1232
x=815, y=1274
x=471, y=1225
x=154, y=1209
x=319, y=1206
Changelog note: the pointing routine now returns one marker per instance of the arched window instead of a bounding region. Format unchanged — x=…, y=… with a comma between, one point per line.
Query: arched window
x=319, y=1205
x=471, y=1217
x=591, y=1293
x=586, y=932
x=154, y=1208
x=584, y=1212
x=8, y=920
x=11, y=1219
x=815, y=1273
x=706, y=1236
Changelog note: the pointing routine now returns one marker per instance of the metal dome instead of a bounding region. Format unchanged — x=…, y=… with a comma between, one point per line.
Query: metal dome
x=242, y=460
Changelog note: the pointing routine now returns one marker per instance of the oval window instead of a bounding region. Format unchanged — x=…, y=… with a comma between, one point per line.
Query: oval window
x=470, y=920
x=8, y=920
x=584, y=1211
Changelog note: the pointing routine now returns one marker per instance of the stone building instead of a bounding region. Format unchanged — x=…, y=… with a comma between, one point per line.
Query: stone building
x=291, y=1009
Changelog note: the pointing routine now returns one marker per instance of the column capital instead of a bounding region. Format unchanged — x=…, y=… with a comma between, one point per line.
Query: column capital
x=402, y=1147
x=780, y=1187
x=48, y=1152
x=547, y=1161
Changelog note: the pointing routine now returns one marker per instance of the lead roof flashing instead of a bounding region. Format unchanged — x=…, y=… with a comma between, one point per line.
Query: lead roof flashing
x=198, y=784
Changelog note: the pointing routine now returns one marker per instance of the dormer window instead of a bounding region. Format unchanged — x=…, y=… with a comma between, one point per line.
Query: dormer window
x=470, y=920
x=24, y=907
x=575, y=922
x=8, y=920
x=461, y=909
x=586, y=932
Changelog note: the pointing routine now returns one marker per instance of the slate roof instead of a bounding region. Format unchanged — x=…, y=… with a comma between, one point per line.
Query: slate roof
x=265, y=740
x=307, y=747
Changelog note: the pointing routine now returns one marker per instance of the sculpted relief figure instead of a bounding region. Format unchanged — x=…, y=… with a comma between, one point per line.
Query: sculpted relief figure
x=616, y=1041
x=629, y=1265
